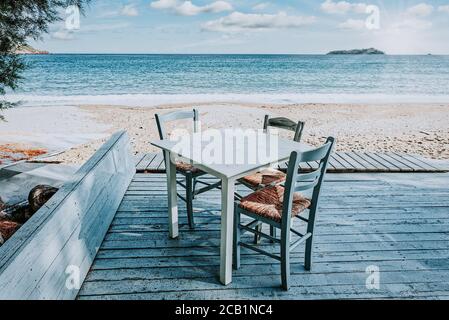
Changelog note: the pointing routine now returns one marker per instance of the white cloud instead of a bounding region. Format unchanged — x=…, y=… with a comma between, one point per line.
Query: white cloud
x=92, y=28
x=164, y=4
x=129, y=10
x=342, y=7
x=62, y=35
x=353, y=24
x=411, y=24
x=413, y=19
x=261, y=6
x=238, y=21
x=420, y=10
x=444, y=9
x=187, y=8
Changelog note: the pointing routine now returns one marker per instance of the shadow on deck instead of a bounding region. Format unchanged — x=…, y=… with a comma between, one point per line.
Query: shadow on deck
x=398, y=223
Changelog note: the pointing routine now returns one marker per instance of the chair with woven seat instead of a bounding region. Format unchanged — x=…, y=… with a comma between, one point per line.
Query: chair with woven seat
x=190, y=173
x=269, y=176
x=277, y=205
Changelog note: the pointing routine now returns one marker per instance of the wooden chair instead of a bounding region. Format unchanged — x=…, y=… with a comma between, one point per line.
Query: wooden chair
x=277, y=206
x=266, y=177
x=190, y=173
x=271, y=176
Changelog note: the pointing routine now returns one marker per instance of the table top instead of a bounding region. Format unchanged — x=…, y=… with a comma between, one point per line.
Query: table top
x=231, y=154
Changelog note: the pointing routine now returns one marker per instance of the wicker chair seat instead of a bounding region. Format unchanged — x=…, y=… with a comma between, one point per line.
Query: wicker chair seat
x=268, y=203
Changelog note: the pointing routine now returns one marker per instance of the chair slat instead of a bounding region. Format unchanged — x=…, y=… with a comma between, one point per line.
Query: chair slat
x=314, y=155
x=177, y=115
x=301, y=177
x=306, y=186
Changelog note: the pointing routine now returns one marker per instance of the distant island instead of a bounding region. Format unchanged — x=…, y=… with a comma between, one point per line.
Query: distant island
x=357, y=51
x=26, y=49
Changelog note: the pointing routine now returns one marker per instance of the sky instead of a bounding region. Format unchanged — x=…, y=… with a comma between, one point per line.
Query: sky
x=251, y=26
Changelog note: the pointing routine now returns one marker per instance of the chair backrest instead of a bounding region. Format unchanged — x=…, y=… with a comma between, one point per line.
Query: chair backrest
x=161, y=120
x=285, y=124
x=297, y=181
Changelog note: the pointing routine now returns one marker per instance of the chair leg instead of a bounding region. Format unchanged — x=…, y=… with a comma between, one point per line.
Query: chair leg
x=236, y=251
x=273, y=233
x=285, y=258
x=308, y=254
x=309, y=242
x=194, y=187
x=189, y=198
x=257, y=238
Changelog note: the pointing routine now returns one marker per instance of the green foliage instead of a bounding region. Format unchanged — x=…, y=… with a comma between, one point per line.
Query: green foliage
x=21, y=21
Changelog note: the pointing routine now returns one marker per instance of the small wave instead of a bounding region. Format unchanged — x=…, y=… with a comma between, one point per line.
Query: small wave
x=153, y=100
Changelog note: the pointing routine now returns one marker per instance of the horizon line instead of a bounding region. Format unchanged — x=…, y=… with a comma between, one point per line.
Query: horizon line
x=267, y=54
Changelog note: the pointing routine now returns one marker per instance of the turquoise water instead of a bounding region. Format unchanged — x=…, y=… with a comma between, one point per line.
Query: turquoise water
x=222, y=75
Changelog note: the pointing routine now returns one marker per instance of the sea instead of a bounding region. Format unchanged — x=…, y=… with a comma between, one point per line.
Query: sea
x=149, y=80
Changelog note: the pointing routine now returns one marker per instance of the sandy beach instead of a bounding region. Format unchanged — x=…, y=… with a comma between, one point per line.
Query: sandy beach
x=411, y=128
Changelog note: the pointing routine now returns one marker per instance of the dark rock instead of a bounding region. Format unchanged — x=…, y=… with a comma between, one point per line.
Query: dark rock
x=3, y=215
x=7, y=229
x=39, y=196
x=357, y=51
x=19, y=213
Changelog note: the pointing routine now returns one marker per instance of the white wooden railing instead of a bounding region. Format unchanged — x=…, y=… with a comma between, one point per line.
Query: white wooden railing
x=49, y=257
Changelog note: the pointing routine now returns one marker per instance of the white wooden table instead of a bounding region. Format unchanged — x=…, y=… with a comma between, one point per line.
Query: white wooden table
x=229, y=172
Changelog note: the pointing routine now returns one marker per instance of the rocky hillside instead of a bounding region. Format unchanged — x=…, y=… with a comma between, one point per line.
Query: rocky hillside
x=29, y=50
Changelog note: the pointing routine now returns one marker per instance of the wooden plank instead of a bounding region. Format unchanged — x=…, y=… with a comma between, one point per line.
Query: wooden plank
x=154, y=164
x=379, y=162
x=204, y=239
x=365, y=165
x=334, y=165
x=344, y=249
x=35, y=260
x=302, y=279
x=380, y=167
x=404, y=165
x=347, y=164
x=143, y=164
x=392, y=165
x=341, y=162
x=424, y=161
x=414, y=166
x=341, y=291
x=161, y=161
x=356, y=167
x=138, y=158
x=265, y=268
x=425, y=166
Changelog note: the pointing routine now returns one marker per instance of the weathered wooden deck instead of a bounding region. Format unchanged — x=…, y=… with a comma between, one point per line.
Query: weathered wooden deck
x=341, y=162
x=397, y=222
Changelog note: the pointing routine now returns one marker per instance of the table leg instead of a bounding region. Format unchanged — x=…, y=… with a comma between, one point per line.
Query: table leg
x=173, y=224
x=227, y=230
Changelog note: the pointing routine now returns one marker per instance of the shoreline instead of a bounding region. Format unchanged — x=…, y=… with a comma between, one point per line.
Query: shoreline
x=157, y=100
